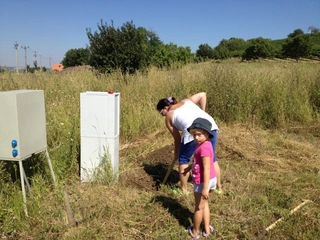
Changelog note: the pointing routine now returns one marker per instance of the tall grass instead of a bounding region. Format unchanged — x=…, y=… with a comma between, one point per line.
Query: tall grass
x=264, y=94
x=275, y=94
x=269, y=95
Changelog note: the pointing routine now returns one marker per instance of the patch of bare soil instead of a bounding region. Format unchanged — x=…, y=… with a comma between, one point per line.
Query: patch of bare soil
x=151, y=170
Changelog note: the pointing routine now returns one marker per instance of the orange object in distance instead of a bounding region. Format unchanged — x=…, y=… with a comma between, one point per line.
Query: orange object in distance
x=57, y=67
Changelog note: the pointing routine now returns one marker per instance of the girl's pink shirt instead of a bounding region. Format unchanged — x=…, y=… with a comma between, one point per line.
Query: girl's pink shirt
x=203, y=150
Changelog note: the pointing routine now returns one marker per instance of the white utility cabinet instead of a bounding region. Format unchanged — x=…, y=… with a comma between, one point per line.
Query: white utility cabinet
x=22, y=124
x=100, y=131
x=23, y=129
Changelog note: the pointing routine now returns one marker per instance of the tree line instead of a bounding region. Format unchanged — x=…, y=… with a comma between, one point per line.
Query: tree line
x=129, y=48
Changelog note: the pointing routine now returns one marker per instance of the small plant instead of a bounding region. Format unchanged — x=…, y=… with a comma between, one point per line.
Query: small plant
x=102, y=173
x=105, y=173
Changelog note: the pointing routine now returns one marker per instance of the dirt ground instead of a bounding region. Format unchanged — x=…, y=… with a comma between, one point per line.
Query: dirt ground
x=238, y=143
x=150, y=173
x=250, y=159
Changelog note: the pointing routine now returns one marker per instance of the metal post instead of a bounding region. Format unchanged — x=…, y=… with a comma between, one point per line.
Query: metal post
x=35, y=59
x=22, y=187
x=23, y=179
x=51, y=169
x=27, y=182
x=16, y=46
x=25, y=56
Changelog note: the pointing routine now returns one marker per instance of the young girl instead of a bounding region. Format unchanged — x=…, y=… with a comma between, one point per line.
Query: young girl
x=203, y=176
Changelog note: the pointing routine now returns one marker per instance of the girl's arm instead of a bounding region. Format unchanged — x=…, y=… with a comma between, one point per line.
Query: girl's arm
x=206, y=161
x=199, y=98
x=175, y=134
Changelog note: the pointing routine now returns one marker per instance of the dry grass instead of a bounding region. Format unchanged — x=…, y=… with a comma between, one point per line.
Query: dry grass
x=265, y=173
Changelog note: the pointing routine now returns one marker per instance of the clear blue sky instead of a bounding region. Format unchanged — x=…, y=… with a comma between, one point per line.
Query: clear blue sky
x=51, y=28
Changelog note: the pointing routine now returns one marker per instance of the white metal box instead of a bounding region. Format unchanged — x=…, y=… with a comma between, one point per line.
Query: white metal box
x=22, y=124
x=99, y=130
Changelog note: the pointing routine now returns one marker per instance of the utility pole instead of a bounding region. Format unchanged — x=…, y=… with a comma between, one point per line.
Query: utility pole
x=40, y=62
x=16, y=46
x=25, y=56
x=35, y=59
x=50, y=63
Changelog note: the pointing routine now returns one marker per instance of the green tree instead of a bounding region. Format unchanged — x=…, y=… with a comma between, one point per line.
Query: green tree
x=170, y=55
x=221, y=52
x=152, y=40
x=76, y=57
x=204, y=51
x=315, y=51
x=315, y=42
x=161, y=58
x=184, y=55
x=313, y=30
x=277, y=46
x=126, y=48
x=235, y=46
x=297, y=47
x=295, y=33
x=259, y=48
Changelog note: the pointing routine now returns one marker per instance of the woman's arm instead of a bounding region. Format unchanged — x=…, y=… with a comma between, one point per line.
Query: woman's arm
x=175, y=134
x=199, y=98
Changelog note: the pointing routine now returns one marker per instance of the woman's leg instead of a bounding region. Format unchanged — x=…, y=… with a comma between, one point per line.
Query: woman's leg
x=185, y=153
x=217, y=169
x=183, y=178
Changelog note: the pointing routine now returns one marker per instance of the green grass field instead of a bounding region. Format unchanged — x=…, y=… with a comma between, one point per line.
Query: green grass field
x=268, y=148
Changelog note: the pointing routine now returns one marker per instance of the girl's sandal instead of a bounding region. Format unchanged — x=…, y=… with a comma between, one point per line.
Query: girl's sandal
x=191, y=234
x=211, y=231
